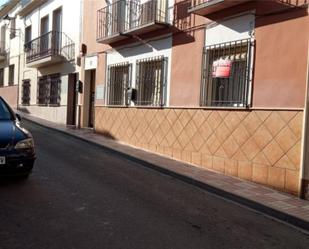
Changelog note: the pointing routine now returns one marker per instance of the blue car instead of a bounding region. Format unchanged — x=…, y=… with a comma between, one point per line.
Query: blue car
x=17, y=153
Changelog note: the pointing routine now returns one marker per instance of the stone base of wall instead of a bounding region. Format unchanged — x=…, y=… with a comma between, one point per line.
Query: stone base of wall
x=54, y=114
x=9, y=94
x=259, y=146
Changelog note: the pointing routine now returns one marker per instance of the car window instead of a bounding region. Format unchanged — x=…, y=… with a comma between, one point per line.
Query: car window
x=5, y=113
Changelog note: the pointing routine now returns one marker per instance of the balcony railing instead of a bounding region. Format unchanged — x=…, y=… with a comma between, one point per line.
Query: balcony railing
x=130, y=17
x=53, y=43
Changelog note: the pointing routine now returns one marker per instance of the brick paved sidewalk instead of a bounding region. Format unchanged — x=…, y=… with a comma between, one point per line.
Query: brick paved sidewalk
x=279, y=205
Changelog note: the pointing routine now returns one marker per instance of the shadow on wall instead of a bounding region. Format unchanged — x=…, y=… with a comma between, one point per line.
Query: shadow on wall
x=106, y=134
x=276, y=12
x=184, y=23
x=267, y=12
x=24, y=109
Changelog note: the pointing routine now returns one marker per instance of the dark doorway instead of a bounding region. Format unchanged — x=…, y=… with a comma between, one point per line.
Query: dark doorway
x=72, y=99
x=57, y=28
x=92, y=98
x=44, y=39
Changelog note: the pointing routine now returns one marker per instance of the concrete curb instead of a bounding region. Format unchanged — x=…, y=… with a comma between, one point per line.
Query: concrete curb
x=269, y=211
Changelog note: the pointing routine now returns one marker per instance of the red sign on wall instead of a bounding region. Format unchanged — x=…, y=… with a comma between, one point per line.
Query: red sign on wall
x=221, y=68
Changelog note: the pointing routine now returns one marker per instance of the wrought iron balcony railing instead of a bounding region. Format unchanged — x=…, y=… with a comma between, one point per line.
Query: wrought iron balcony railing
x=124, y=17
x=53, y=43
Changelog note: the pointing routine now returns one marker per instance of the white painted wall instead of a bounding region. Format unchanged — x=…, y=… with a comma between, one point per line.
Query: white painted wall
x=71, y=15
x=12, y=46
x=142, y=51
x=232, y=29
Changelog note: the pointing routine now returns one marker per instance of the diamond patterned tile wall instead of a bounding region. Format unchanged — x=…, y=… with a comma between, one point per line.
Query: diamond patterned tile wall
x=261, y=146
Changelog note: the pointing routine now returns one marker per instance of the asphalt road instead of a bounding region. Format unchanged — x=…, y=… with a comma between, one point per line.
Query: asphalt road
x=81, y=196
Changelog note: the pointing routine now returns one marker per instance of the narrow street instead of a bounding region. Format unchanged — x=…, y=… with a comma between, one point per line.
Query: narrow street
x=81, y=196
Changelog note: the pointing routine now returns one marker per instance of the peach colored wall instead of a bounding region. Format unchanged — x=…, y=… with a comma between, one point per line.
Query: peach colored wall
x=279, y=79
x=188, y=43
x=90, y=26
x=260, y=146
x=9, y=94
x=281, y=62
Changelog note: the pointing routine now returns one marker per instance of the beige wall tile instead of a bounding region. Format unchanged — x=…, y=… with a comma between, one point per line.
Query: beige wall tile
x=276, y=177
x=231, y=167
x=260, y=173
x=292, y=181
x=245, y=170
x=207, y=161
x=218, y=164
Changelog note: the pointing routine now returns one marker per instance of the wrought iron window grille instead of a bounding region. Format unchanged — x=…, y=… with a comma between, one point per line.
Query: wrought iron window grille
x=49, y=90
x=151, y=75
x=232, y=87
x=119, y=81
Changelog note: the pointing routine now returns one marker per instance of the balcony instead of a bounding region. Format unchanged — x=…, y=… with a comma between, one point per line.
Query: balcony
x=207, y=7
x=50, y=48
x=124, y=18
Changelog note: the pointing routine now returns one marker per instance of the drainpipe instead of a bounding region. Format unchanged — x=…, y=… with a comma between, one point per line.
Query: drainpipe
x=304, y=183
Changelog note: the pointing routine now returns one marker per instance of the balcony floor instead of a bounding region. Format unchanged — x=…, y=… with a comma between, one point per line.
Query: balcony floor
x=213, y=6
x=46, y=61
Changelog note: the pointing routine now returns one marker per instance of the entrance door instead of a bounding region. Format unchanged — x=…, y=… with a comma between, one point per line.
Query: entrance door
x=72, y=99
x=92, y=98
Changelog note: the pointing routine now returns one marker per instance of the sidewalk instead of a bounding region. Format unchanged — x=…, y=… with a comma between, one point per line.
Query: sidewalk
x=271, y=202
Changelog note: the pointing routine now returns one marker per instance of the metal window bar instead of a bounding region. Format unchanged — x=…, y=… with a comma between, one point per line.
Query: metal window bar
x=55, y=89
x=42, y=91
x=150, y=81
x=49, y=90
x=119, y=78
x=26, y=87
x=233, y=90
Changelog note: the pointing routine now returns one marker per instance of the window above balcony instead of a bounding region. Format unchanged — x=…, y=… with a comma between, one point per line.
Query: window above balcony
x=207, y=7
x=125, y=18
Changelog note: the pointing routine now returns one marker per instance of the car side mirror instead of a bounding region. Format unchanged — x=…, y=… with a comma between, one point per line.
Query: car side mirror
x=18, y=117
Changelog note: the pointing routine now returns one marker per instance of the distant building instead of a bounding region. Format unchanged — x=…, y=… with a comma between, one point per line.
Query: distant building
x=49, y=71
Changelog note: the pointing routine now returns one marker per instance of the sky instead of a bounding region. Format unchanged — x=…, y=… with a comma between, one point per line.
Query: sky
x=3, y=2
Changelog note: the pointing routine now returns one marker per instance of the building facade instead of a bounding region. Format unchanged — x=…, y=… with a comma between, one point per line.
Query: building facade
x=10, y=42
x=219, y=84
x=49, y=70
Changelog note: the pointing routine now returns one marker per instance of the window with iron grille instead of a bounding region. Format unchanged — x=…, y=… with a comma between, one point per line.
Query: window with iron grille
x=150, y=81
x=49, y=90
x=119, y=79
x=43, y=89
x=55, y=89
x=226, y=74
x=1, y=77
x=26, y=87
x=11, y=74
